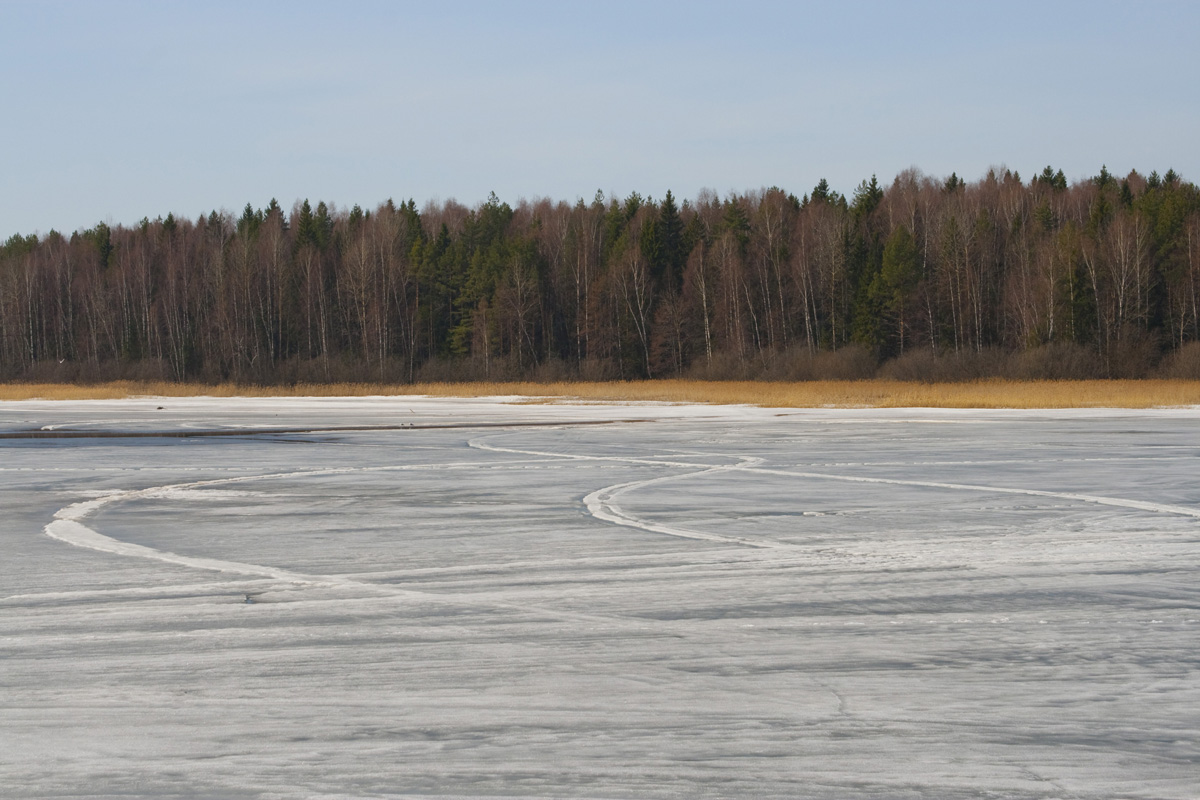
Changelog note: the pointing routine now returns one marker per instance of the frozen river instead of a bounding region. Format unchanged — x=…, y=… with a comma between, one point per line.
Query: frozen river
x=478, y=598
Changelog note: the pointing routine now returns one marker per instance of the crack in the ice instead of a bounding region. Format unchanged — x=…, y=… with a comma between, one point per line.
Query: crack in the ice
x=600, y=506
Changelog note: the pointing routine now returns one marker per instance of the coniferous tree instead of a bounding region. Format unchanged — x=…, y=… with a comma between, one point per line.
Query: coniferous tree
x=634, y=287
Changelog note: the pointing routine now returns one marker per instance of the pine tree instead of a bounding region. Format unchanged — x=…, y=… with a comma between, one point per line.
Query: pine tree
x=898, y=277
x=820, y=192
x=671, y=256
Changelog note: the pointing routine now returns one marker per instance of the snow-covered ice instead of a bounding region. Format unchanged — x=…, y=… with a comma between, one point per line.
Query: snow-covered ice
x=692, y=601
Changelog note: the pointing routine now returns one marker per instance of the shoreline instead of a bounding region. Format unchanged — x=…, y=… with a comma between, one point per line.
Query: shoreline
x=874, y=393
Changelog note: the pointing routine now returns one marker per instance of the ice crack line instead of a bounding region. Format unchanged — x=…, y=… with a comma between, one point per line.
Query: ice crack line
x=68, y=527
x=1141, y=505
x=600, y=502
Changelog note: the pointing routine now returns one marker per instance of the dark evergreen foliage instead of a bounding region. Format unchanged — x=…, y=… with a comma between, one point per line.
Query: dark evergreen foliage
x=615, y=288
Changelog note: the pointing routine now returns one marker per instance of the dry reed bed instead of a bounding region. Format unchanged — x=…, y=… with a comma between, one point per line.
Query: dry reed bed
x=808, y=394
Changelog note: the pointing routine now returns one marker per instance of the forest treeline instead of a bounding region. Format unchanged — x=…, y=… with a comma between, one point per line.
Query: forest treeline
x=932, y=278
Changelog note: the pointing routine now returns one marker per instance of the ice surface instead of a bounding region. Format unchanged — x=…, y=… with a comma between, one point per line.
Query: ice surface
x=693, y=602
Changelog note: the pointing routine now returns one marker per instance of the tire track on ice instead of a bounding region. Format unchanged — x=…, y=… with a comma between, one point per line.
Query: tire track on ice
x=68, y=527
x=599, y=503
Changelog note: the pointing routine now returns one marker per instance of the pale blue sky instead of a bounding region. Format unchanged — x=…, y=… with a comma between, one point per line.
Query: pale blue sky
x=118, y=110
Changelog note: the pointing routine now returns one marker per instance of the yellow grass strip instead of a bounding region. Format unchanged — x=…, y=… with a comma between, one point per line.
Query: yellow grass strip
x=809, y=394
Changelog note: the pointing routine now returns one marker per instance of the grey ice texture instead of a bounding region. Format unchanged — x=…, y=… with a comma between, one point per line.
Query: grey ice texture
x=711, y=602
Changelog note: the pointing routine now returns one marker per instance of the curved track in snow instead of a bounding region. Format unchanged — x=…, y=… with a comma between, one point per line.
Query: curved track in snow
x=68, y=527
x=538, y=650
x=601, y=503
x=68, y=524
